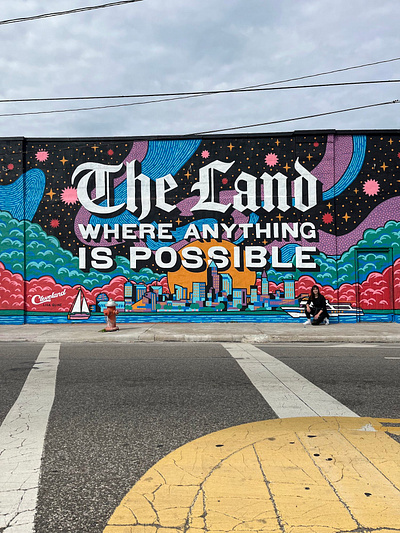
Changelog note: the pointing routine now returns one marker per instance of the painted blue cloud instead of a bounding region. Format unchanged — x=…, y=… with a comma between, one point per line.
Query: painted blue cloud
x=352, y=171
x=29, y=186
x=167, y=157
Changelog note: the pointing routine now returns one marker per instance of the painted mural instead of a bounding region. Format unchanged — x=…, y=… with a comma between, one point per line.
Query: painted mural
x=221, y=228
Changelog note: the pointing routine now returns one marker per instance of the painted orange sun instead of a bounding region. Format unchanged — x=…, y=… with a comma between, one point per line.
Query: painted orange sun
x=243, y=278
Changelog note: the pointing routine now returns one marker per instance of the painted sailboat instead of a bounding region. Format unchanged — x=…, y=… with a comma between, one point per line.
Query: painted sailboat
x=80, y=308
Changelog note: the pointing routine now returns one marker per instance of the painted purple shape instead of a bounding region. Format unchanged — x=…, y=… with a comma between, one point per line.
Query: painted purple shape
x=337, y=157
x=138, y=152
x=179, y=245
x=185, y=206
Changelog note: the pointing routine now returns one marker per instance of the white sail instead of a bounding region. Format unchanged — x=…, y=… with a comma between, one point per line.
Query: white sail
x=85, y=308
x=80, y=306
x=76, y=308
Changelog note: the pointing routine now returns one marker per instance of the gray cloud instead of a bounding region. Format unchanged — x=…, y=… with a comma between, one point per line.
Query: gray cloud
x=183, y=45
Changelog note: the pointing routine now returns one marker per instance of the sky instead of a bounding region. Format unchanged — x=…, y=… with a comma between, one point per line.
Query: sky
x=170, y=46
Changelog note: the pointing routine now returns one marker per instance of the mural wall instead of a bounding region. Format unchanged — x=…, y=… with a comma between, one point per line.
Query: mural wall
x=221, y=228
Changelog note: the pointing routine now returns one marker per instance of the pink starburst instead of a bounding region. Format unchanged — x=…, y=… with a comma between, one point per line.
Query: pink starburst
x=271, y=159
x=42, y=155
x=205, y=154
x=55, y=223
x=371, y=187
x=69, y=195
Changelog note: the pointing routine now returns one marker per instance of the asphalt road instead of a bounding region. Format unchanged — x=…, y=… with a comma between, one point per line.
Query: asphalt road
x=118, y=409
x=364, y=378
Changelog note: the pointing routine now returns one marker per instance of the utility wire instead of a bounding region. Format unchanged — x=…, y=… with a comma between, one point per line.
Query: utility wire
x=187, y=95
x=68, y=12
x=224, y=129
x=327, y=72
x=191, y=94
x=293, y=119
x=91, y=108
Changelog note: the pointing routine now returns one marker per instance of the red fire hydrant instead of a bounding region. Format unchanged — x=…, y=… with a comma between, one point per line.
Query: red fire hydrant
x=111, y=313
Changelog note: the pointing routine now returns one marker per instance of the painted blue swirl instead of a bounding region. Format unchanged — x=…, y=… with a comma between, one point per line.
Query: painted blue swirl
x=167, y=157
x=287, y=252
x=359, y=148
x=29, y=186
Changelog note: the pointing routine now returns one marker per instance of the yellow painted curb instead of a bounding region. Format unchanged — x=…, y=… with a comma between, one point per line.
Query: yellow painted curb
x=286, y=475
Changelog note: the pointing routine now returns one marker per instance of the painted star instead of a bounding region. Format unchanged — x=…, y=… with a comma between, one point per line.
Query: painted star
x=51, y=194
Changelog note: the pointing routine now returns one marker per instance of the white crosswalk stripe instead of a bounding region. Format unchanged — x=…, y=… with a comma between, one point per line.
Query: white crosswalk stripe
x=22, y=435
x=288, y=393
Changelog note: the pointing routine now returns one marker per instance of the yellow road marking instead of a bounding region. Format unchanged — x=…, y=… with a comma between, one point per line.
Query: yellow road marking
x=292, y=475
x=390, y=429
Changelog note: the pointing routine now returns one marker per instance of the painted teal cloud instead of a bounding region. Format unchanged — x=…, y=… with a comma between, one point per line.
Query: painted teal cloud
x=45, y=256
x=387, y=236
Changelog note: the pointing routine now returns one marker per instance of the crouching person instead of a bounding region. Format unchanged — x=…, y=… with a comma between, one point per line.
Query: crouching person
x=316, y=308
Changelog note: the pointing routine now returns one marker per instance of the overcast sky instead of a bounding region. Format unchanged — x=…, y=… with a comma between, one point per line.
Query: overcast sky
x=158, y=46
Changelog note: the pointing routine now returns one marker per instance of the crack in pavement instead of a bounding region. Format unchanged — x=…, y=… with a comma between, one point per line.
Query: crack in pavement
x=22, y=436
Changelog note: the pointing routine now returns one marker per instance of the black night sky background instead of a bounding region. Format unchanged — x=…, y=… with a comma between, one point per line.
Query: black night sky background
x=378, y=180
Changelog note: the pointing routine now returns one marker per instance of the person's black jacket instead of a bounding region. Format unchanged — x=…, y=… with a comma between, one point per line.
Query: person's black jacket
x=317, y=303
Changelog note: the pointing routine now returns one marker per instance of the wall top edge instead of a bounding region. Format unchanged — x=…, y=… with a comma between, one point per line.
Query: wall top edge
x=209, y=136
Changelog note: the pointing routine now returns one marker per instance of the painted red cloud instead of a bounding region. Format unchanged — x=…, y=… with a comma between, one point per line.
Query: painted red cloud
x=375, y=291
x=11, y=290
x=396, y=283
x=305, y=283
x=347, y=292
x=114, y=290
x=45, y=295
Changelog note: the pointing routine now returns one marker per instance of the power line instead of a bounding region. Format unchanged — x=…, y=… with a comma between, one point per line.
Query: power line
x=186, y=95
x=296, y=118
x=68, y=12
x=191, y=94
x=328, y=72
x=90, y=108
x=130, y=104
x=223, y=129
